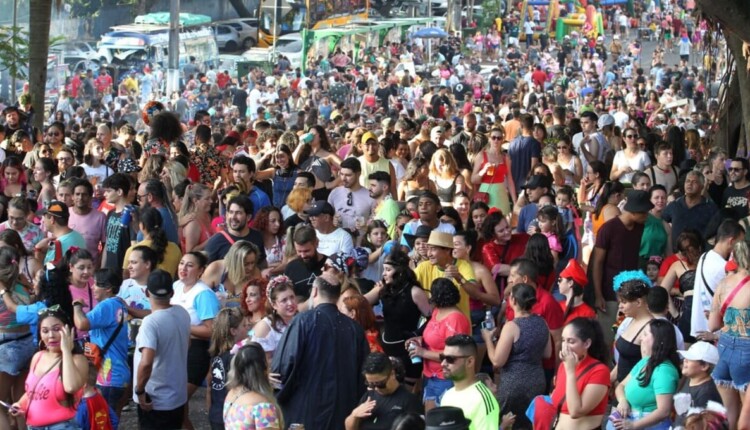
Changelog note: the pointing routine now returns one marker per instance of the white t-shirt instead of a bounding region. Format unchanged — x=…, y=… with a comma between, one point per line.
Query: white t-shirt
x=338, y=240
x=711, y=267
x=637, y=163
x=134, y=294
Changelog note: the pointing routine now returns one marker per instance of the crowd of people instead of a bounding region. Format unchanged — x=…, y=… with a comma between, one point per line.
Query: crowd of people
x=555, y=245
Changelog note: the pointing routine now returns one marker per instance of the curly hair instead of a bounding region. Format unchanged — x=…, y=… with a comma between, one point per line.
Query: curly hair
x=297, y=199
x=255, y=282
x=260, y=222
x=166, y=126
x=490, y=223
x=444, y=293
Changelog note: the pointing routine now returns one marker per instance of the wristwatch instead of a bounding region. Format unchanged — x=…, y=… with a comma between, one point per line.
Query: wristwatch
x=77, y=304
x=141, y=392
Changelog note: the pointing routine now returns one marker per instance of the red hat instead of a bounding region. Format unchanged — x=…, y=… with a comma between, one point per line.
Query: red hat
x=233, y=134
x=575, y=272
x=249, y=133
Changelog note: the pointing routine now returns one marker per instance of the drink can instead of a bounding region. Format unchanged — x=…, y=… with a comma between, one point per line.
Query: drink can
x=415, y=359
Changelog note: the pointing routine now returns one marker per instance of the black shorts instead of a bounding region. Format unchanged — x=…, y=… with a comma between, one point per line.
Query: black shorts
x=161, y=420
x=685, y=57
x=198, y=361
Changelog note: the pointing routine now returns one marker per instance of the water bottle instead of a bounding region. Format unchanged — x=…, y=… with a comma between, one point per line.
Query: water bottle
x=489, y=321
x=415, y=359
x=126, y=217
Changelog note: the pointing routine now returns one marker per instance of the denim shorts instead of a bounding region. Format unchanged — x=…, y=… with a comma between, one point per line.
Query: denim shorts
x=664, y=424
x=733, y=368
x=16, y=350
x=477, y=316
x=66, y=425
x=434, y=388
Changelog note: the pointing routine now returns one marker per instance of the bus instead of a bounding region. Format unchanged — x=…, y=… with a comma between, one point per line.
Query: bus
x=291, y=16
x=134, y=45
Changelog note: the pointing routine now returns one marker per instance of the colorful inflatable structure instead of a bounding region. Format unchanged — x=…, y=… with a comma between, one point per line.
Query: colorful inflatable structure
x=585, y=20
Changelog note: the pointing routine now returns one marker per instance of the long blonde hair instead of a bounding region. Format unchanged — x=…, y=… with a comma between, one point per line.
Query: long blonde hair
x=445, y=156
x=249, y=370
x=234, y=261
x=193, y=193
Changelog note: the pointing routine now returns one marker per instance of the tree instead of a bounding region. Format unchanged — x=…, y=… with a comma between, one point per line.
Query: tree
x=40, y=14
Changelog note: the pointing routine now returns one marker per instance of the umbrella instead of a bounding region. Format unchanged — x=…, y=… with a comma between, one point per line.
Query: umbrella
x=430, y=33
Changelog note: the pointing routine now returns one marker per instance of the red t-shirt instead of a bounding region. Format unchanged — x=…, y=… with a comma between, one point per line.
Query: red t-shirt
x=546, y=307
x=493, y=254
x=435, y=334
x=583, y=310
x=597, y=375
x=538, y=77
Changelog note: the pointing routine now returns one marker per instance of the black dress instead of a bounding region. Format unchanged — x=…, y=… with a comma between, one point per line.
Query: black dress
x=400, y=318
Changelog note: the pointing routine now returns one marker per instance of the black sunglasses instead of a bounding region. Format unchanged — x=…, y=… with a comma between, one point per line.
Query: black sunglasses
x=450, y=359
x=379, y=384
x=349, y=199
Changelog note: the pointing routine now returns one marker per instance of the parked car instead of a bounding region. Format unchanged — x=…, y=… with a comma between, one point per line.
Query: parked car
x=227, y=38
x=288, y=45
x=85, y=50
x=247, y=28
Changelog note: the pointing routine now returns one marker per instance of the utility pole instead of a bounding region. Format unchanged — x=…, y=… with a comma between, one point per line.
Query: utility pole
x=173, y=70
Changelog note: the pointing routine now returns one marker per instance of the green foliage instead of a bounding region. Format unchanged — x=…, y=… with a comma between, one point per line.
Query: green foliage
x=14, y=59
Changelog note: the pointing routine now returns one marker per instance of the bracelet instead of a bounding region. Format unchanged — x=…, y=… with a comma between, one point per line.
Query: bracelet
x=77, y=304
x=140, y=393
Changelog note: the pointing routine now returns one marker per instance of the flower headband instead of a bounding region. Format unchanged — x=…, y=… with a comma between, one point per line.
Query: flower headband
x=275, y=282
x=628, y=276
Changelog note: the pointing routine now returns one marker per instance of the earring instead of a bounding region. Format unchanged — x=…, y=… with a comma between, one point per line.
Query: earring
x=40, y=344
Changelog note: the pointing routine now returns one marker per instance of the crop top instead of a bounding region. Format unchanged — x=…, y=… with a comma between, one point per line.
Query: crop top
x=598, y=375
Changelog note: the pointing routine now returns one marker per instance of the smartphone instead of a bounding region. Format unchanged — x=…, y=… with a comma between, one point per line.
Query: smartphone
x=5, y=405
x=615, y=415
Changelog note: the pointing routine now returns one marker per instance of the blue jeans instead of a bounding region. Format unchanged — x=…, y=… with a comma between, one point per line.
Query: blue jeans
x=733, y=368
x=434, y=388
x=66, y=425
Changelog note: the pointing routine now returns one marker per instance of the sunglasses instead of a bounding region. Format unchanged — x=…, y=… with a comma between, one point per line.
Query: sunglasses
x=450, y=359
x=349, y=199
x=496, y=138
x=379, y=384
x=54, y=308
x=735, y=169
x=631, y=136
x=53, y=134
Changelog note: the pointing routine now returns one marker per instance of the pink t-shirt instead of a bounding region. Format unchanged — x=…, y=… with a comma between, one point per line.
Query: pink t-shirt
x=89, y=301
x=554, y=242
x=92, y=227
x=435, y=334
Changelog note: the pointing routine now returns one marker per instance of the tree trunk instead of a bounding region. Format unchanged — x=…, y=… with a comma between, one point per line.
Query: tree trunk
x=734, y=14
x=40, y=12
x=743, y=80
x=240, y=8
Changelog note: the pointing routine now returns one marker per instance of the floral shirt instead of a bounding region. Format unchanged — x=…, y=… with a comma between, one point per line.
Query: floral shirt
x=209, y=163
x=30, y=235
x=258, y=416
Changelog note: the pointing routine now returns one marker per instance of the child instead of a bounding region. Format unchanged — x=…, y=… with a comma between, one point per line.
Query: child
x=376, y=238
x=564, y=202
x=659, y=302
x=93, y=411
x=229, y=328
x=652, y=268
x=550, y=225
x=698, y=363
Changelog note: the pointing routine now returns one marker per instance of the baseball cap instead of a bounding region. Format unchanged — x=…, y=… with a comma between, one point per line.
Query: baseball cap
x=538, y=181
x=605, y=120
x=575, y=272
x=638, y=202
x=320, y=207
x=701, y=351
x=57, y=209
x=159, y=284
x=367, y=136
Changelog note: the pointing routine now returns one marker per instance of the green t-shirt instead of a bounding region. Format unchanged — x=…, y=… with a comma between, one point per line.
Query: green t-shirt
x=478, y=403
x=664, y=380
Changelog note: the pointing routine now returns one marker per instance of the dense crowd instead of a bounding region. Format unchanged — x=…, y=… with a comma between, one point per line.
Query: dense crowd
x=555, y=243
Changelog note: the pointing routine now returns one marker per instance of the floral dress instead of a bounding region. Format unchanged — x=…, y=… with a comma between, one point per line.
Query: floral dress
x=258, y=416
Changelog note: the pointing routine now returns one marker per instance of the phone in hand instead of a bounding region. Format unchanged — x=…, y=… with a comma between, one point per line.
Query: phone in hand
x=5, y=405
x=615, y=415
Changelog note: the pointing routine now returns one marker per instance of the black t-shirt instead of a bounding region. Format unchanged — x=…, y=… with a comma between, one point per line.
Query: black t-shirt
x=218, y=245
x=736, y=200
x=388, y=408
x=219, y=370
x=460, y=91
x=118, y=240
x=700, y=395
x=362, y=85
x=303, y=275
x=383, y=94
x=507, y=86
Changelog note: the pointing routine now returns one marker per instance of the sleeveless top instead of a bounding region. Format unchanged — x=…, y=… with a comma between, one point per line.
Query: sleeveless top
x=598, y=220
x=498, y=174
x=570, y=167
x=231, y=300
x=737, y=322
x=271, y=341
x=528, y=350
x=412, y=193
x=187, y=299
x=654, y=239
x=446, y=194
x=630, y=354
x=400, y=316
x=46, y=394
x=687, y=279
x=318, y=166
x=382, y=165
x=282, y=184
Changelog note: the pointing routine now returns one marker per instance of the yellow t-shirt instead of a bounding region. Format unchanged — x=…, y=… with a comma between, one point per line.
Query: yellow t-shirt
x=172, y=257
x=427, y=272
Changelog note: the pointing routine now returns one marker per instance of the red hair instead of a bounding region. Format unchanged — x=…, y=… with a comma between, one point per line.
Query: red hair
x=255, y=282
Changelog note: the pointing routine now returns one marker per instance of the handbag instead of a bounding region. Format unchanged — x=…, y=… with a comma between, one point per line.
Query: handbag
x=481, y=196
x=96, y=354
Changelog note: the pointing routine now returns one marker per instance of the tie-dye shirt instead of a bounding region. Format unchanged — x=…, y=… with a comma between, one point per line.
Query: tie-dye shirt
x=257, y=416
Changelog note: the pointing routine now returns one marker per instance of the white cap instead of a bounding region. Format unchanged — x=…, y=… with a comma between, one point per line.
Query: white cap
x=605, y=120
x=701, y=351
